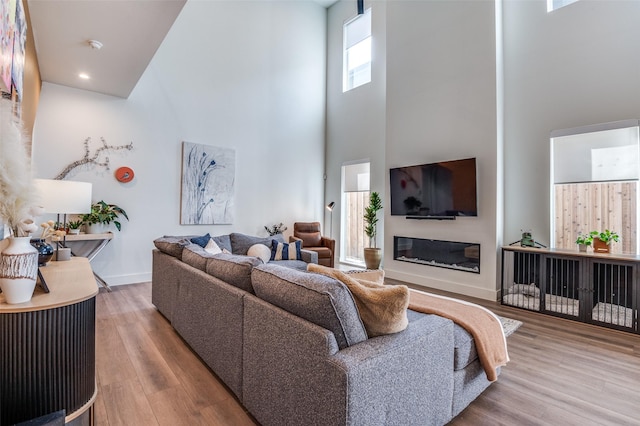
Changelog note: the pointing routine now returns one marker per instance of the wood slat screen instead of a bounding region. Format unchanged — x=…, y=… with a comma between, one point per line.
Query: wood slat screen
x=355, y=239
x=596, y=206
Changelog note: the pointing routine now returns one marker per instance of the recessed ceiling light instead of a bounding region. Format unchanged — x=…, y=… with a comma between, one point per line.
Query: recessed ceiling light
x=84, y=76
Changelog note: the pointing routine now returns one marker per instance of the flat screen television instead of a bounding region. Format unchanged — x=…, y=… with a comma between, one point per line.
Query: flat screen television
x=437, y=190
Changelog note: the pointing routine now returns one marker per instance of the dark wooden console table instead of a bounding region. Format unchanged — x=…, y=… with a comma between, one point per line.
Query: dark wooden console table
x=597, y=288
x=47, y=348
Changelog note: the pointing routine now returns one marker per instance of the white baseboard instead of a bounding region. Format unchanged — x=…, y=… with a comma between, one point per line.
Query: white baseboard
x=451, y=286
x=116, y=280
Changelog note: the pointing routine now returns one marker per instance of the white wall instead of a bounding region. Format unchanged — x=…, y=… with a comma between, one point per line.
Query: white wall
x=355, y=119
x=246, y=75
x=441, y=105
x=576, y=66
x=435, y=100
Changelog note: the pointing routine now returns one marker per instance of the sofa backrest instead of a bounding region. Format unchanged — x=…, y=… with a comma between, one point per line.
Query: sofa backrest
x=241, y=243
x=316, y=298
x=233, y=269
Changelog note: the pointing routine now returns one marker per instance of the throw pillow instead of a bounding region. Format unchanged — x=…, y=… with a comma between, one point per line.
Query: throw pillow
x=212, y=247
x=383, y=308
x=260, y=251
x=201, y=241
x=284, y=251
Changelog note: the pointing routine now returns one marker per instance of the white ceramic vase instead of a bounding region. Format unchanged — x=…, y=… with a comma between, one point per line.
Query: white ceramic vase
x=18, y=270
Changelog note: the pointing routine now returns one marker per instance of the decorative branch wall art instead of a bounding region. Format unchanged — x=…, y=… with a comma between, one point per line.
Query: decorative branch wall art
x=98, y=159
x=208, y=179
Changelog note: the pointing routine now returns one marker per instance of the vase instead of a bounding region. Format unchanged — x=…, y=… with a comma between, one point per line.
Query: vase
x=45, y=250
x=372, y=257
x=18, y=270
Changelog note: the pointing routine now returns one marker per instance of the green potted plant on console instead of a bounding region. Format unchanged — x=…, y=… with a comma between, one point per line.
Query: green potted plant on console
x=372, y=254
x=585, y=240
x=102, y=214
x=602, y=240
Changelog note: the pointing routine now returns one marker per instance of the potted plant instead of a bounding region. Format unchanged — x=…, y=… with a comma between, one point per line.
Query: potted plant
x=74, y=226
x=601, y=240
x=372, y=254
x=275, y=229
x=103, y=214
x=585, y=240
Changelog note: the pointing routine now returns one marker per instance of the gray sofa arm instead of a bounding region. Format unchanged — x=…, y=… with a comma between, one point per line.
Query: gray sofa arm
x=309, y=256
x=293, y=372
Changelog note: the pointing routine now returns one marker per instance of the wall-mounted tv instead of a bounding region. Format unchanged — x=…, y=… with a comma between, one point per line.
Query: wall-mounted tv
x=437, y=190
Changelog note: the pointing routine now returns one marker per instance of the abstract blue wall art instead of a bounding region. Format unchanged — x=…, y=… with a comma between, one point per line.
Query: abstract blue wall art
x=208, y=177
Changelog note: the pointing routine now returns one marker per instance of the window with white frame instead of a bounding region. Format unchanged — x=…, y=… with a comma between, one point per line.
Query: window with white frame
x=355, y=198
x=357, y=51
x=594, y=176
x=557, y=4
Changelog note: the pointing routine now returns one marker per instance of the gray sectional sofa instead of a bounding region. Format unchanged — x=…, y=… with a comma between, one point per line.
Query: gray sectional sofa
x=291, y=346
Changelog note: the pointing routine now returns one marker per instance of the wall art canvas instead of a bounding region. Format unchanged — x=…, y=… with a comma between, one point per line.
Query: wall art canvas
x=7, y=31
x=208, y=178
x=19, y=41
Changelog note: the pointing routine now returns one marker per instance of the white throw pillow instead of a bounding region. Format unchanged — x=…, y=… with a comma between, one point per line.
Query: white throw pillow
x=212, y=247
x=260, y=251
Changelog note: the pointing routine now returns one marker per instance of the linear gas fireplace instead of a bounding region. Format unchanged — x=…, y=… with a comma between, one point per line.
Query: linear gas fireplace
x=443, y=254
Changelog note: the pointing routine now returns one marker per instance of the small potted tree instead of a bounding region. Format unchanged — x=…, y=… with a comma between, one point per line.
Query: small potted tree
x=102, y=214
x=372, y=254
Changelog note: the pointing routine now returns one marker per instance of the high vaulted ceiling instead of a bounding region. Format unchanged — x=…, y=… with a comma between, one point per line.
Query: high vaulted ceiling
x=130, y=31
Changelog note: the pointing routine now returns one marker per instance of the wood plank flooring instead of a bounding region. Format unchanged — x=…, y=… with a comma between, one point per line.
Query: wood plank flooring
x=561, y=373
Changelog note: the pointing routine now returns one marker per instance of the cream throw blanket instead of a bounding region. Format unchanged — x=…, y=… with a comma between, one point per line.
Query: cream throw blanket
x=481, y=323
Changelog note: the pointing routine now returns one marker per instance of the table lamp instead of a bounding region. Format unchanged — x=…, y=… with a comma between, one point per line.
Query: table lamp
x=64, y=197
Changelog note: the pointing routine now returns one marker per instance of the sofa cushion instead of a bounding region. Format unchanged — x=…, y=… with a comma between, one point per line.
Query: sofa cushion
x=260, y=251
x=233, y=269
x=321, y=300
x=172, y=245
x=196, y=256
x=286, y=251
x=202, y=240
x=241, y=243
x=212, y=247
x=223, y=241
x=300, y=265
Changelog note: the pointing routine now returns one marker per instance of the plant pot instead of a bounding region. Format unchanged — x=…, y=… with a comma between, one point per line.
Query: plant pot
x=600, y=246
x=74, y=231
x=582, y=247
x=372, y=257
x=97, y=228
x=18, y=270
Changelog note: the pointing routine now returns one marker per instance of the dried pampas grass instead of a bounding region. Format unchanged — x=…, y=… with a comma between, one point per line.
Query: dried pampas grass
x=17, y=190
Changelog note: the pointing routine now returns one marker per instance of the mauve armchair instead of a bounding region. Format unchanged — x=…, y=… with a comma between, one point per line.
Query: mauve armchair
x=312, y=239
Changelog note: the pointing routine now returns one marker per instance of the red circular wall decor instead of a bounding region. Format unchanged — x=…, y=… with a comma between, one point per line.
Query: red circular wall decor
x=124, y=174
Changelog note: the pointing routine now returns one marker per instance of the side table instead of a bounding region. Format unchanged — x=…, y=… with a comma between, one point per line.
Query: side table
x=99, y=241
x=47, y=345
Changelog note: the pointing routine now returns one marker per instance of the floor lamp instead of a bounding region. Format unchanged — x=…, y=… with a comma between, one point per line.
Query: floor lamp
x=330, y=208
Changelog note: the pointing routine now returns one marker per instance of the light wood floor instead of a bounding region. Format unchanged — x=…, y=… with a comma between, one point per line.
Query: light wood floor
x=561, y=373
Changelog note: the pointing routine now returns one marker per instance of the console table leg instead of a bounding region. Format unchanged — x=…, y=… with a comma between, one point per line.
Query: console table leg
x=102, y=282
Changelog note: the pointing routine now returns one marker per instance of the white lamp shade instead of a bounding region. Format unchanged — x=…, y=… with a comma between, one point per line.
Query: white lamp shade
x=64, y=196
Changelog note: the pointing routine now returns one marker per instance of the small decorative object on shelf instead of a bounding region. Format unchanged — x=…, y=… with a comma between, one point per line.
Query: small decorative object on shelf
x=602, y=240
x=527, y=240
x=45, y=250
x=74, y=226
x=584, y=240
x=275, y=229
